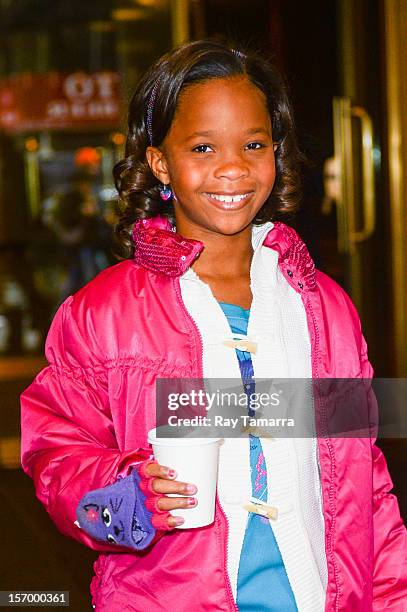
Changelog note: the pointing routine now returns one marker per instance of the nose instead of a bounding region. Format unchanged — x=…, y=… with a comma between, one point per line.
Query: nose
x=232, y=167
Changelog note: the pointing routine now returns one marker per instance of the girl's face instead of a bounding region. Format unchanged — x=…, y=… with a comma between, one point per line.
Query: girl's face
x=218, y=156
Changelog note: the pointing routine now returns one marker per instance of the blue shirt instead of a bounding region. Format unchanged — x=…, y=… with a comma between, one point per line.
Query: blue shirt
x=262, y=583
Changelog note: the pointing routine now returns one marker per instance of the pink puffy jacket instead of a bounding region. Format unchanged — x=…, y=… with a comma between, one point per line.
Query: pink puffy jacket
x=85, y=418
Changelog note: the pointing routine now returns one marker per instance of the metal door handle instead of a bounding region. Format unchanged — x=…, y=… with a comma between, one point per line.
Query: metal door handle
x=369, y=205
x=348, y=236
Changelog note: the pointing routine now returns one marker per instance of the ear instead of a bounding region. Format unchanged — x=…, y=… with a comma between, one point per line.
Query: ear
x=156, y=160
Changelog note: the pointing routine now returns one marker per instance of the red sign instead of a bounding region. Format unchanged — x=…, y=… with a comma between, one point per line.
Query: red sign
x=60, y=101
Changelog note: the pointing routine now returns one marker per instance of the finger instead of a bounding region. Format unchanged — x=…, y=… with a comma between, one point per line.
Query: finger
x=160, y=471
x=160, y=485
x=175, y=521
x=160, y=521
x=173, y=503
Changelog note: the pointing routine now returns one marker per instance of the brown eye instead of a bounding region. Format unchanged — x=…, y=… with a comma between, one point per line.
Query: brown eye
x=253, y=146
x=202, y=148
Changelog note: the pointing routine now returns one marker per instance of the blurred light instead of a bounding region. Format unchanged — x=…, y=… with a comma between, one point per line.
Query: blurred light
x=118, y=138
x=107, y=194
x=129, y=14
x=87, y=156
x=46, y=151
x=31, y=145
x=377, y=155
x=151, y=3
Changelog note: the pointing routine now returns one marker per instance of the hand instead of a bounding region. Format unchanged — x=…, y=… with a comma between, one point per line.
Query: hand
x=164, y=482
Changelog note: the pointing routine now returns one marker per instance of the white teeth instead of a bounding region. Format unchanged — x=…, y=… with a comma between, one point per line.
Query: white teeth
x=226, y=198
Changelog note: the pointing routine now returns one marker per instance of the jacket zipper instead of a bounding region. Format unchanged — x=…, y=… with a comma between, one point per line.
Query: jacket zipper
x=225, y=570
x=200, y=375
x=194, y=325
x=315, y=374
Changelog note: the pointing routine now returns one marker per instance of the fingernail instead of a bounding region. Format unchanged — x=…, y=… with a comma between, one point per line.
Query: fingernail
x=179, y=520
x=192, y=501
x=171, y=473
x=190, y=488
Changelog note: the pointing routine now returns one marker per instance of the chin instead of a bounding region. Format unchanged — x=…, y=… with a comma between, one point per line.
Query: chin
x=230, y=227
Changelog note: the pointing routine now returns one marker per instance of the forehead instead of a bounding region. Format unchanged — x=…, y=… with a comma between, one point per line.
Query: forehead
x=216, y=104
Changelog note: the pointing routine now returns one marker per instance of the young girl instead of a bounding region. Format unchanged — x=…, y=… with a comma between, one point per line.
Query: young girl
x=211, y=162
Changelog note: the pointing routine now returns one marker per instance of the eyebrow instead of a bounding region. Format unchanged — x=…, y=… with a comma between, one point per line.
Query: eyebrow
x=250, y=132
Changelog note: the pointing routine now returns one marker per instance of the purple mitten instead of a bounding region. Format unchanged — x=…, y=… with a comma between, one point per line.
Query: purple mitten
x=117, y=514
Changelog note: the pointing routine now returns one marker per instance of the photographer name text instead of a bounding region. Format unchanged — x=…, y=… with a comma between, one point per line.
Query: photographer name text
x=220, y=421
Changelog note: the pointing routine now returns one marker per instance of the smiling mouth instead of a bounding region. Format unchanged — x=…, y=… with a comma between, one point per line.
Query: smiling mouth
x=228, y=201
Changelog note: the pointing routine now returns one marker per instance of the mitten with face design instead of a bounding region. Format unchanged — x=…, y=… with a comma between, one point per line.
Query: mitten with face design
x=118, y=514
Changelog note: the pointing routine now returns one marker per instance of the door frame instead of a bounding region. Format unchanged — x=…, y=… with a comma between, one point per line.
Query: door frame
x=394, y=13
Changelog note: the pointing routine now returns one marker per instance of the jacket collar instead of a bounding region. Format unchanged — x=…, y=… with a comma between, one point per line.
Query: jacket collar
x=160, y=249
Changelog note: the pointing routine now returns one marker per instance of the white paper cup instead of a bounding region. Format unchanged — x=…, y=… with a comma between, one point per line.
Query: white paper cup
x=196, y=462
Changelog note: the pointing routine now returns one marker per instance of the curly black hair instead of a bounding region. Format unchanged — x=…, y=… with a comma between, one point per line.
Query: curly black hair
x=151, y=113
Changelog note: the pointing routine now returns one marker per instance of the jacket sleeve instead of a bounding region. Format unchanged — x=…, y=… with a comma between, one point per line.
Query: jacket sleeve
x=389, y=532
x=68, y=437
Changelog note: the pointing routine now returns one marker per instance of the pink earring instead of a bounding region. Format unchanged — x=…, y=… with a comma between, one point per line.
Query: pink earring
x=165, y=193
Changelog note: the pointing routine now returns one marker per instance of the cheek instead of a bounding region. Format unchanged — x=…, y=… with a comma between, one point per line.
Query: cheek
x=189, y=178
x=268, y=174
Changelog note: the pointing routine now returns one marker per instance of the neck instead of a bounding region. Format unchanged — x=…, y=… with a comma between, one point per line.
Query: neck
x=223, y=256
